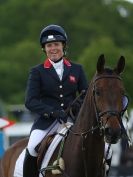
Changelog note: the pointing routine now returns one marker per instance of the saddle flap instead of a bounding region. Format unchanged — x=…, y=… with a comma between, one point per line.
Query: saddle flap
x=42, y=148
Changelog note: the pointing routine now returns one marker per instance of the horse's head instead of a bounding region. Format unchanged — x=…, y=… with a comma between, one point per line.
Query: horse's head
x=110, y=100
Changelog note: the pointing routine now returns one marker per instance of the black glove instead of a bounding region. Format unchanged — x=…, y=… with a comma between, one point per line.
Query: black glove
x=60, y=115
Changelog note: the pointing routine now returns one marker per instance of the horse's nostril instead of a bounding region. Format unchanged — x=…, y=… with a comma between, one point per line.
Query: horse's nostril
x=112, y=132
x=112, y=135
x=108, y=131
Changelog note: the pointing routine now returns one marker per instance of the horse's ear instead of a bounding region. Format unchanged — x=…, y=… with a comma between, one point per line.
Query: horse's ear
x=120, y=65
x=100, y=64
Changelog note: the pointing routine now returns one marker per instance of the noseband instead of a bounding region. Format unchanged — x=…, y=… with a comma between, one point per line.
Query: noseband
x=99, y=125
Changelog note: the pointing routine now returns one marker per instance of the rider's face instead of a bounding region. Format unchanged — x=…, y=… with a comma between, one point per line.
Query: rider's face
x=54, y=50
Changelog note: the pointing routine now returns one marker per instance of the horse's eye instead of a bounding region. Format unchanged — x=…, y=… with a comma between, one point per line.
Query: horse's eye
x=97, y=92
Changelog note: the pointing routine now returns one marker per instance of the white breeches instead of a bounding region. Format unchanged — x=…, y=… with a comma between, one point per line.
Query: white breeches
x=37, y=136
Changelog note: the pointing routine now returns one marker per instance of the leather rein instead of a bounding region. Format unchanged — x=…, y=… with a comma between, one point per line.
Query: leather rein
x=99, y=125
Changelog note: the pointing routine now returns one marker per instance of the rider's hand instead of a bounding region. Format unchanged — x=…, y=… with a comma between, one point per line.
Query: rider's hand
x=60, y=115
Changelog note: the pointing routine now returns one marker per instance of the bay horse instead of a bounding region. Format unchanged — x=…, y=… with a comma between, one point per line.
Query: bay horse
x=98, y=121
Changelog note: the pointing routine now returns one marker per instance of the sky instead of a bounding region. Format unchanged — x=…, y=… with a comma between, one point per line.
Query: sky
x=129, y=1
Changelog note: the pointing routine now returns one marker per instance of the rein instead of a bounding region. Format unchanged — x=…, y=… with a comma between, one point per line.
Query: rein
x=84, y=133
x=98, y=114
x=99, y=125
x=110, y=113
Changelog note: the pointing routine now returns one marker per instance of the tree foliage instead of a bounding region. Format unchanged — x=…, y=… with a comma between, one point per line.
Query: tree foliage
x=93, y=28
x=112, y=54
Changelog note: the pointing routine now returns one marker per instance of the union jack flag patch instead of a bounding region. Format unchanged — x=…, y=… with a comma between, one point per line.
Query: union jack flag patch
x=72, y=79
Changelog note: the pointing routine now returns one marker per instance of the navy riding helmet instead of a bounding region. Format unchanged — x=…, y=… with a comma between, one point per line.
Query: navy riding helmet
x=52, y=33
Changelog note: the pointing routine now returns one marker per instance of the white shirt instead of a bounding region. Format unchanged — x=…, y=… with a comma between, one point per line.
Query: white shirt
x=59, y=68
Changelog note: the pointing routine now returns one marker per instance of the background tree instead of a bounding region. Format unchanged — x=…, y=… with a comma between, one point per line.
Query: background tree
x=93, y=28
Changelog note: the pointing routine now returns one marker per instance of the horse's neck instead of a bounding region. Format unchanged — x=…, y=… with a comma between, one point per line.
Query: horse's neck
x=76, y=141
x=87, y=116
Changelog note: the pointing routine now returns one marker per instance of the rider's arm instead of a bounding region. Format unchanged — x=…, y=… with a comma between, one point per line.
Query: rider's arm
x=33, y=95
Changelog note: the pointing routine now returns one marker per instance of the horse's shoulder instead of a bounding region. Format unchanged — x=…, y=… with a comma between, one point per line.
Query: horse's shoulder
x=16, y=148
x=20, y=143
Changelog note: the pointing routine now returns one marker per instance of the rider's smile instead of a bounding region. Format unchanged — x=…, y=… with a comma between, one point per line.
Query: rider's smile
x=54, y=50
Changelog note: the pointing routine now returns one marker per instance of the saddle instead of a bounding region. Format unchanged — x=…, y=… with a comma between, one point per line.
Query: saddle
x=43, y=147
x=48, y=146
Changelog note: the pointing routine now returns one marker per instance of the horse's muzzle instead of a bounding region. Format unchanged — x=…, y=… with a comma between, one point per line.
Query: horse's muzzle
x=112, y=135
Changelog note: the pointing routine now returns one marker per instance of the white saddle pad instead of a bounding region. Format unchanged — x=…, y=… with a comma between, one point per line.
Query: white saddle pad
x=18, y=171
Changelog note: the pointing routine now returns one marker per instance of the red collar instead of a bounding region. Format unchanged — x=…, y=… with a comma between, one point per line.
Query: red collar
x=47, y=63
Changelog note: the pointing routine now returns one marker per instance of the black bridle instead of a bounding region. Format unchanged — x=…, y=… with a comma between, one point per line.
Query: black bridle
x=109, y=113
x=99, y=125
x=99, y=115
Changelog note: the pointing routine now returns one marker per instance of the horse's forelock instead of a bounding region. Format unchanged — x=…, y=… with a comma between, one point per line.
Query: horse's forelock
x=108, y=71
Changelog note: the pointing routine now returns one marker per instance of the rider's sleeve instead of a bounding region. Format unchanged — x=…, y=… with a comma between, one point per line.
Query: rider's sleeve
x=33, y=93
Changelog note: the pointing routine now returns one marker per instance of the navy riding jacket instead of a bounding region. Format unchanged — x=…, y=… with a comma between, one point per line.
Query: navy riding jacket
x=46, y=92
